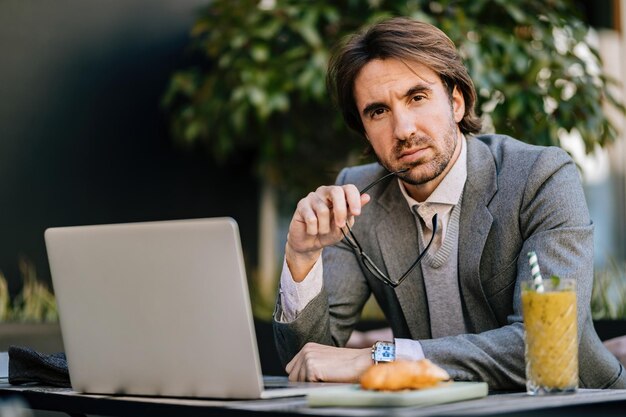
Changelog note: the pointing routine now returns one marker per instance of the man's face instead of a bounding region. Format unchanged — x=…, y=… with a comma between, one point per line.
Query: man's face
x=409, y=118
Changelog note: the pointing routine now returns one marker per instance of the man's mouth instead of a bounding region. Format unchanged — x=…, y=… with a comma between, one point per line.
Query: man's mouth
x=412, y=155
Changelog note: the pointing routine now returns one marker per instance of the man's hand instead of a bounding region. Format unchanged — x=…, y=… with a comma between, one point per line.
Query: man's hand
x=319, y=363
x=317, y=223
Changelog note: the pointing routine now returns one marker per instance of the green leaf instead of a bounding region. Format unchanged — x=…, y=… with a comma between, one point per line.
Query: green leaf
x=555, y=281
x=260, y=53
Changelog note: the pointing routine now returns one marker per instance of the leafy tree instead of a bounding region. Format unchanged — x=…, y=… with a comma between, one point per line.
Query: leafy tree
x=260, y=82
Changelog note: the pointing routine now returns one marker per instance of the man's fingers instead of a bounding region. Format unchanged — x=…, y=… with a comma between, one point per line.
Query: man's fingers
x=337, y=199
x=293, y=367
x=320, y=206
x=365, y=198
x=308, y=216
x=297, y=367
x=289, y=366
x=329, y=207
x=346, y=201
x=353, y=199
x=320, y=216
x=301, y=376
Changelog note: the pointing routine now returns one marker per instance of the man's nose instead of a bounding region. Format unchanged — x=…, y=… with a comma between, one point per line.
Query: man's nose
x=404, y=125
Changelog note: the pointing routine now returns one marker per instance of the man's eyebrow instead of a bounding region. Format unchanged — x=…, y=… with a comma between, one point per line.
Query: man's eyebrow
x=420, y=88
x=371, y=107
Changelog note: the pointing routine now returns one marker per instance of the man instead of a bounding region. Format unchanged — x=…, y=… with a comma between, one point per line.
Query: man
x=472, y=206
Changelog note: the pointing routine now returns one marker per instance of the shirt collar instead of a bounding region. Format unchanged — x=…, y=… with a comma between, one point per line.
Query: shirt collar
x=449, y=190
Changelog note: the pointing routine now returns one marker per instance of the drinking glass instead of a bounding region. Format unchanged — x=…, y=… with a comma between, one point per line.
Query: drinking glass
x=550, y=335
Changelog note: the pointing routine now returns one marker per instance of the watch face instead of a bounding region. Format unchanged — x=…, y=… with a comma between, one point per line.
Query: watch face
x=384, y=352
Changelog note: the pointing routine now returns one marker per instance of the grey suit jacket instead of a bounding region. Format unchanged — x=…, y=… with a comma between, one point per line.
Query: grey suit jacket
x=517, y=198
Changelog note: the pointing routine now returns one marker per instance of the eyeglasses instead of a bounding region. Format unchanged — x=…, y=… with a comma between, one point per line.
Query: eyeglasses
x=351, y=240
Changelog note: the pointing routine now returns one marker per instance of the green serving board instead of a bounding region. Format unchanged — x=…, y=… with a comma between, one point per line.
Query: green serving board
x=354, y=396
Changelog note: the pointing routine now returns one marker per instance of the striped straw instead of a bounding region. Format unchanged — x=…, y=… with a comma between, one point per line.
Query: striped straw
x=534, y=270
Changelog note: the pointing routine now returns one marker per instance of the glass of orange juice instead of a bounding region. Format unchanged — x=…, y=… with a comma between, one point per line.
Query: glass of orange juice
x=551, y=338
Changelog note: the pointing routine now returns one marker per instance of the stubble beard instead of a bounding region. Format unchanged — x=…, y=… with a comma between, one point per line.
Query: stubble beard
x=430, y=169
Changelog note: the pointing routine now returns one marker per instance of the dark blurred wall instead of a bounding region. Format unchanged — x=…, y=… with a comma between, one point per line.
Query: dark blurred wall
x=82, y=137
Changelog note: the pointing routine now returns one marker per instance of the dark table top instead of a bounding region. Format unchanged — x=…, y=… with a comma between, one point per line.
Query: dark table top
x=585, y=402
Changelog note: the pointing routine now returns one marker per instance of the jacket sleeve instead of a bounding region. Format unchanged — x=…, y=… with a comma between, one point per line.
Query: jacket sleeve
x=331, y=316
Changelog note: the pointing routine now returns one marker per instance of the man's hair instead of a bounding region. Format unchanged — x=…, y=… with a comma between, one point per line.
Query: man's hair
x=407, y=40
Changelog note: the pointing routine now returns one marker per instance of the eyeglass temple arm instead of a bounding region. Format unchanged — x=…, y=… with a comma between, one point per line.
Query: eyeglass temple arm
x=354, y=243
x=364, y=190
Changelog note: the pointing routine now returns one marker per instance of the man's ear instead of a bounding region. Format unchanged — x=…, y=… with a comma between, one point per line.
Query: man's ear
x=458, y=104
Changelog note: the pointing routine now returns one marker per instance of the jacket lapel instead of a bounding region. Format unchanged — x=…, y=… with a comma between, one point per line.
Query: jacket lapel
x=397, y=235
x=475, y=224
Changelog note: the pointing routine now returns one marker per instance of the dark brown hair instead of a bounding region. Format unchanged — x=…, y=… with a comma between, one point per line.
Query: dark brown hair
x=407, y=40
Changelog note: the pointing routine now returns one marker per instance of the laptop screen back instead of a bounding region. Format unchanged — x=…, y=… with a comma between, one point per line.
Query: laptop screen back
x=158, y=308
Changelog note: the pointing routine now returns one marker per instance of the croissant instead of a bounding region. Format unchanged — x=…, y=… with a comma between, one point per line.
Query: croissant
x=401, y=375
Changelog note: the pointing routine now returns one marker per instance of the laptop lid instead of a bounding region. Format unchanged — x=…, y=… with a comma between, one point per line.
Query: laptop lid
x=156, y=308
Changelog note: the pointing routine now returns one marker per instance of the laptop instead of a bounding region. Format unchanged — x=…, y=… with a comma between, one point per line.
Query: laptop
x=159, y=309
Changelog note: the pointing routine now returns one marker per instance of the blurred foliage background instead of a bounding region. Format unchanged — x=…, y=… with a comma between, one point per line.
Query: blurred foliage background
x=608, y=299
x=259, y=80
x=35, y=302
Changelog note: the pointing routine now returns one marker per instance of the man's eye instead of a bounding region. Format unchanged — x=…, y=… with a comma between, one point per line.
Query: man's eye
x=418, y=97
x=377, y=112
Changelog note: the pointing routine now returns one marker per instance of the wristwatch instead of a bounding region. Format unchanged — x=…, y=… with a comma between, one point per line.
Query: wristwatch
x=383, y=352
